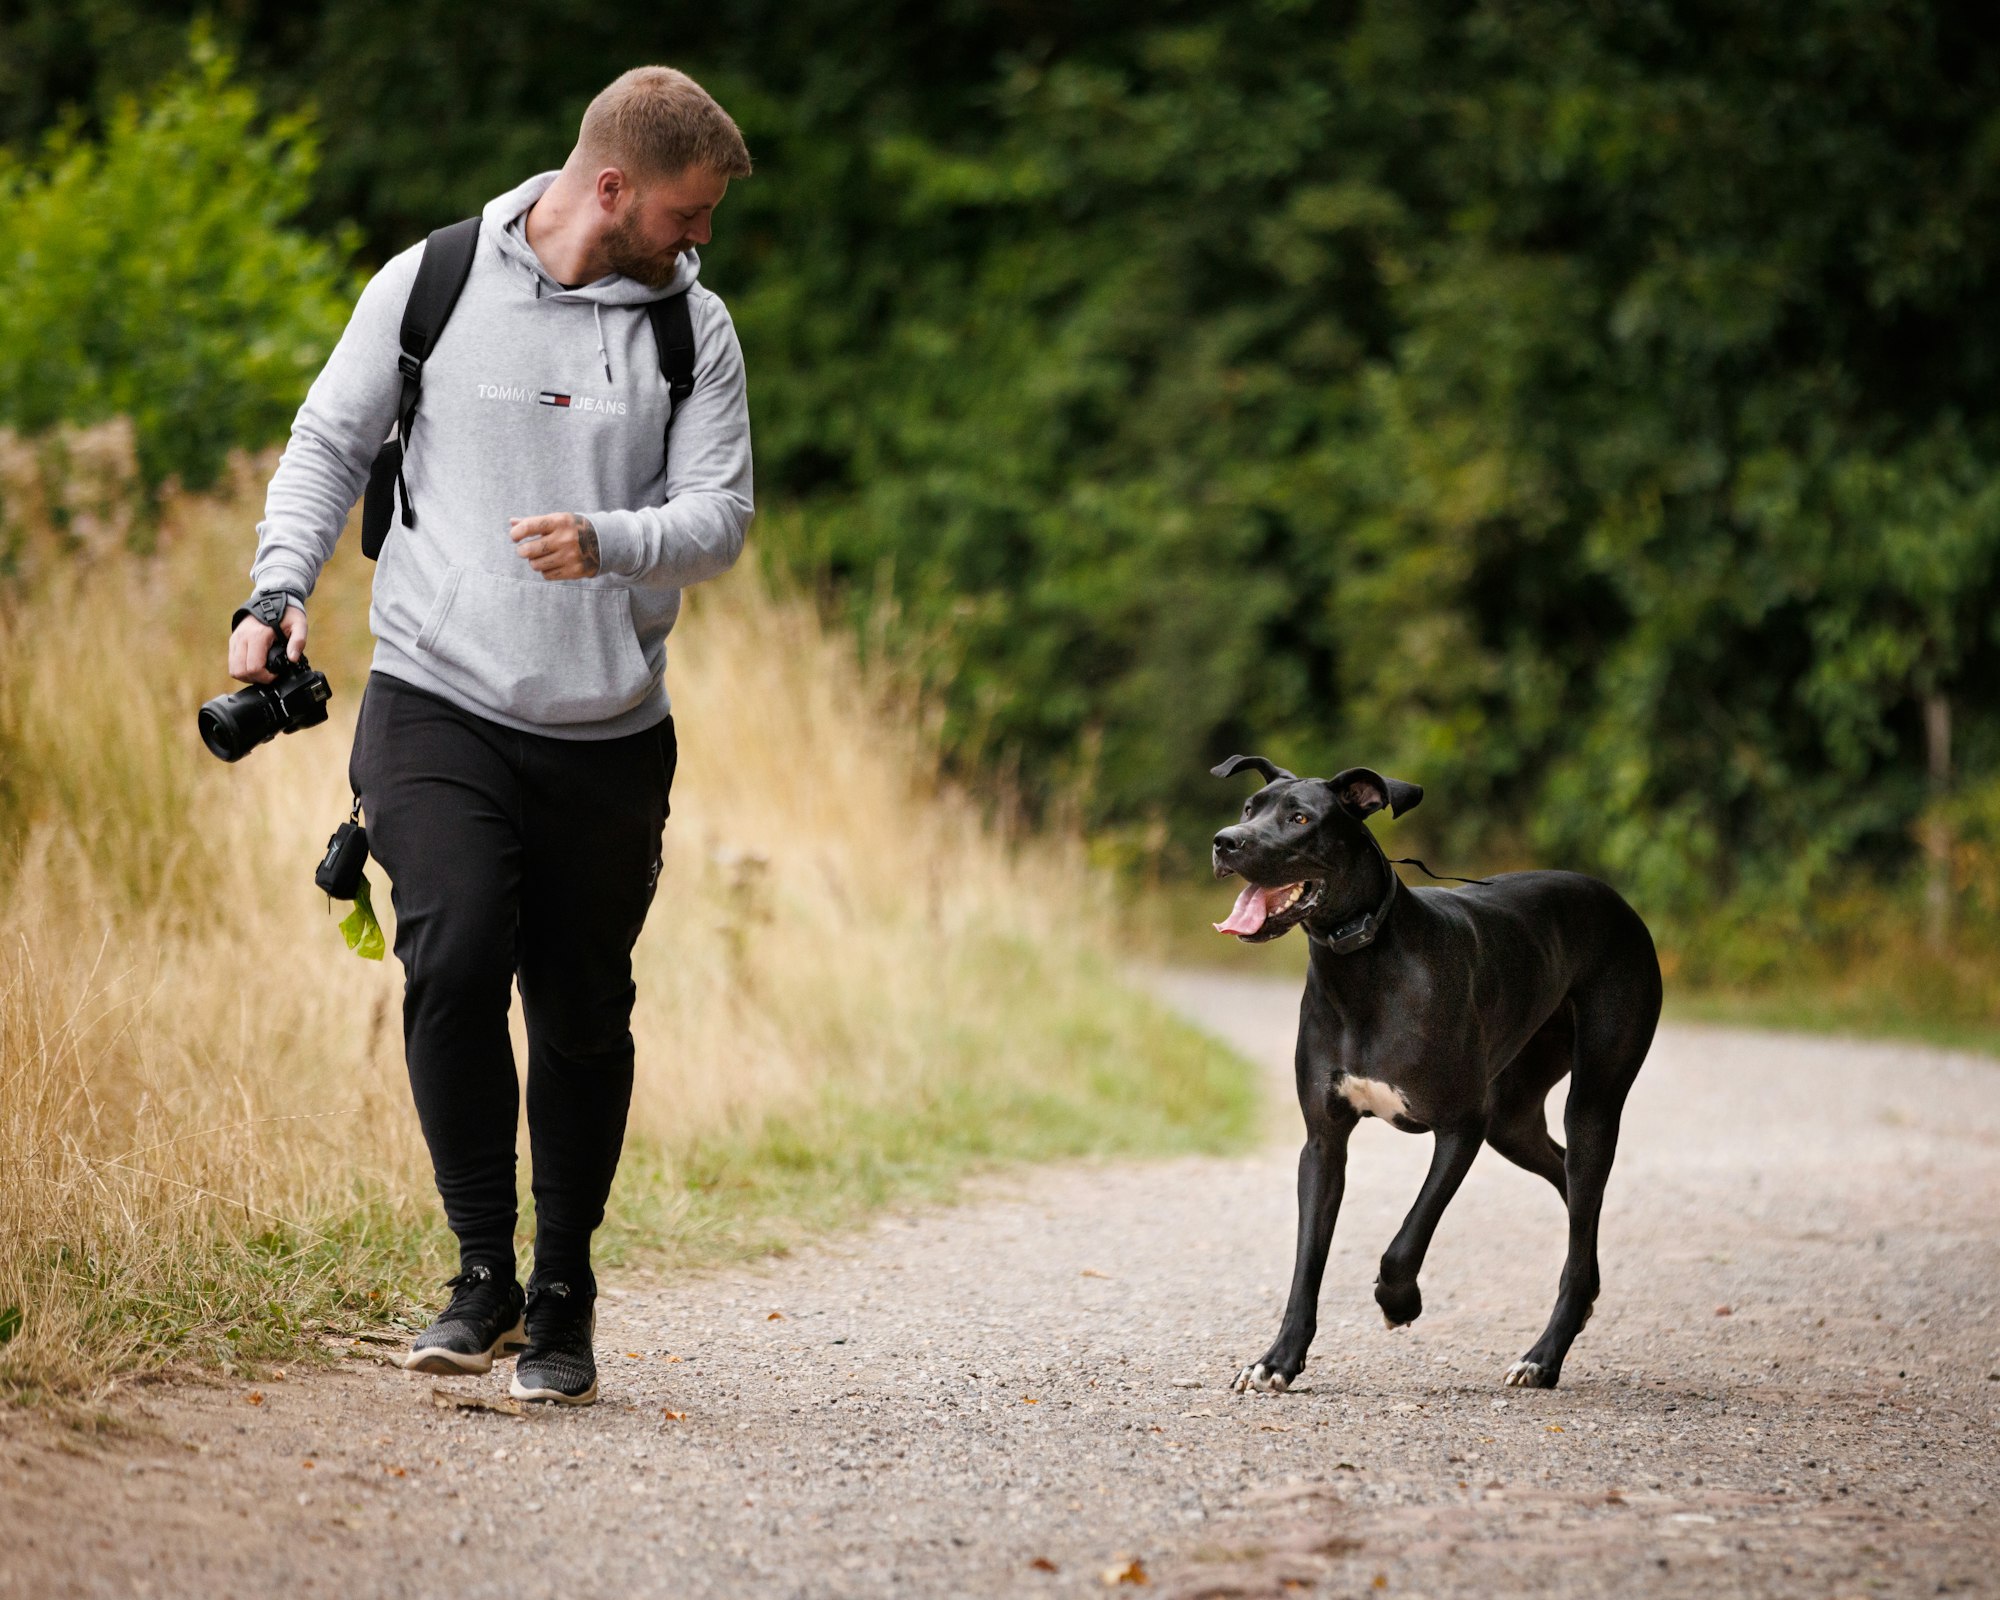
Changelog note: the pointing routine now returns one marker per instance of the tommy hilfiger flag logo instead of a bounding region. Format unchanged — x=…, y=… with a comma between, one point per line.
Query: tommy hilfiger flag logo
x=520, y=394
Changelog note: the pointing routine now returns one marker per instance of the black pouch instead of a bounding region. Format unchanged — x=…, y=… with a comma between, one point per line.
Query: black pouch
x=346, y=857
x=378, y=508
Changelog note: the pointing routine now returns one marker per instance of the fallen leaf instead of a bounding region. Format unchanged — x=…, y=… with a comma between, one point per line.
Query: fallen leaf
x=1379, y=1581
x=775, y=1316
x=1029, y=1400
x=1613, y=1498
x=631, y=1355
x=1044, y=1564
x=673, y=1416
x=676, y=1358
x=1092, y=1272
x=254, y=1398
x=1553, y=1427
x=1725, y=1311
x=445, y=1400
x=307, y=1466
x=1133, y=1572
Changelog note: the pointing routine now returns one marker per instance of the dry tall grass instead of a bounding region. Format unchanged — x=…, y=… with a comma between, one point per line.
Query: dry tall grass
x=849, y=987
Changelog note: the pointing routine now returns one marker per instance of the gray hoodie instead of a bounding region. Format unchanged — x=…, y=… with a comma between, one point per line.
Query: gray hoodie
x=536, y=399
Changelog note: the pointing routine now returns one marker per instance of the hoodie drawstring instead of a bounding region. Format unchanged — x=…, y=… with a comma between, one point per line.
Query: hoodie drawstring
x=597, y=314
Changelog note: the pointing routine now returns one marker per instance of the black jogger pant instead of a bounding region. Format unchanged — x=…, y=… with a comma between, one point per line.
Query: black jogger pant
x=514, y=855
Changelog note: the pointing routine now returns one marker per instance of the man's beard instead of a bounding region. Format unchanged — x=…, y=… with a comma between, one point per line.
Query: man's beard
x=628, y=257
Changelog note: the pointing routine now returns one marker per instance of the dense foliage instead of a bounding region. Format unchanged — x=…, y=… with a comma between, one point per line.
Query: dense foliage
x=152, y=273
x=1589, y=411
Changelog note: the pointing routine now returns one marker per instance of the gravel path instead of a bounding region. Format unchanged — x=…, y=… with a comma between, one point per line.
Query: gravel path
x=1791, y=1387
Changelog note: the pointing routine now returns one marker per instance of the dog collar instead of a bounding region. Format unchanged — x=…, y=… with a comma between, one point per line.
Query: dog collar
x=1364, y=929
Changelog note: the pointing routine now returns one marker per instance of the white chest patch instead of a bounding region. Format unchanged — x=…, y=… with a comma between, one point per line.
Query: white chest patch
x=1373, y=1098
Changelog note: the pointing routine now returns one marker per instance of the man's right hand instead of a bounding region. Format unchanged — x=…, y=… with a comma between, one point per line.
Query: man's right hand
x=251, y=643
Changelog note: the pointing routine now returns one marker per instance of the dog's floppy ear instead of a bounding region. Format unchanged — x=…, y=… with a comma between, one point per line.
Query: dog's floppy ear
x=1362, y=791
x=1271, y=770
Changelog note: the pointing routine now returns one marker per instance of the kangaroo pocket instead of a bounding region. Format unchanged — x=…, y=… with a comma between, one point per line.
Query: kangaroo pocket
x=535, y=649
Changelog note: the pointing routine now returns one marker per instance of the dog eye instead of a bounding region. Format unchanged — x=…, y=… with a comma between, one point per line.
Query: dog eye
x=1300, y=818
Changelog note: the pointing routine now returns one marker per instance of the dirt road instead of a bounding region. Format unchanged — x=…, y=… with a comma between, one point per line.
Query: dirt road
x=1791, y=1387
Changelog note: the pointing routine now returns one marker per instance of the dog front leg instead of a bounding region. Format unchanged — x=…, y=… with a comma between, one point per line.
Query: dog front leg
x=1322, y=1181
x=1396, y=1289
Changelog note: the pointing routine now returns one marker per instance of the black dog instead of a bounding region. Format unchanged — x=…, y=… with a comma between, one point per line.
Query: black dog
x=1451, y=1012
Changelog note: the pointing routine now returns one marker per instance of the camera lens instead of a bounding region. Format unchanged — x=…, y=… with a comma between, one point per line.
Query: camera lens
x=232, y=725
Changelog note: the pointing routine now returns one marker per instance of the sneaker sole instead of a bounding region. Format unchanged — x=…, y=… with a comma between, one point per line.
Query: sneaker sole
x=460, y=1363
x=521, y=1391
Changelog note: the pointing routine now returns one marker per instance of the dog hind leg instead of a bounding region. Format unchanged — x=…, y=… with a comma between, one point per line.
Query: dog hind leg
x=1520, y=1125
x=1614, y=1030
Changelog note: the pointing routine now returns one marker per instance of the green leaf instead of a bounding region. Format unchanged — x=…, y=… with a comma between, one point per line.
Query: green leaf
x=10, y=1322
x=359, y=927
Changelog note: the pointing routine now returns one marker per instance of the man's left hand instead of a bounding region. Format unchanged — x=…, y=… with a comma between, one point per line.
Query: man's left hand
x=559, y=545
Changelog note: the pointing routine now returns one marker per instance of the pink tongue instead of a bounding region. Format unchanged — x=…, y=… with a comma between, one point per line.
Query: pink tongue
x=1252, y=906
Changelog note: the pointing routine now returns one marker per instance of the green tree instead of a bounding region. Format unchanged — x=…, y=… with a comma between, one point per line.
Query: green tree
x=1587, y=411
x=154, y=273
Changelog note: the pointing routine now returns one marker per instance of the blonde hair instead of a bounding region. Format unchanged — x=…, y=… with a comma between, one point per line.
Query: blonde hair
x=656, y=123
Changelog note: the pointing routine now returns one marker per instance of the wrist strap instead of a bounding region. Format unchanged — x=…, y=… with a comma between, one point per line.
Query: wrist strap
x=268, y=609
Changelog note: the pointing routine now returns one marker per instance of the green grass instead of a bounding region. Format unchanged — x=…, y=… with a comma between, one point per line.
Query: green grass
x=1125, y=1079
x=1141, y=1083
x=1864, y=1011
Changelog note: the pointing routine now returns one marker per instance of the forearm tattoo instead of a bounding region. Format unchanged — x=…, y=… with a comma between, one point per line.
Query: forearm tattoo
x=586, y=546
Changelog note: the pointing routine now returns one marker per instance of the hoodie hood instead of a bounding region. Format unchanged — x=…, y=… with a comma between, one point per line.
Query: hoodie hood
x=503, y=224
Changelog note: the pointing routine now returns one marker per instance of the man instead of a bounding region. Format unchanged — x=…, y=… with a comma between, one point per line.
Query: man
x=515, y=747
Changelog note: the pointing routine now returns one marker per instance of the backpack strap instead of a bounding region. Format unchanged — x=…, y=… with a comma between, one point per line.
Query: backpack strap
x=673, y=332
x=441, y=274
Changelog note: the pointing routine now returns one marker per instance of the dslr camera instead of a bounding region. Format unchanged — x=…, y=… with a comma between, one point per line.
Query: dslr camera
x=232, y=725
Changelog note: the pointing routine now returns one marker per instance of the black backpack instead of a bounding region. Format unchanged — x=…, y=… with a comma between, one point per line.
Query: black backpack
x=441, y=275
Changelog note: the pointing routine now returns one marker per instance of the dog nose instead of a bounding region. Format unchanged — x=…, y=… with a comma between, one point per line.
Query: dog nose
x=1228, y=842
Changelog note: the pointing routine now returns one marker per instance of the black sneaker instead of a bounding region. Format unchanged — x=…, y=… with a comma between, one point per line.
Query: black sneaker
x=482, y=1321
x=559, y=1363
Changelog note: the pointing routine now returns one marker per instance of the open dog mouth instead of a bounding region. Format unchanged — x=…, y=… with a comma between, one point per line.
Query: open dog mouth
x=1263, y=913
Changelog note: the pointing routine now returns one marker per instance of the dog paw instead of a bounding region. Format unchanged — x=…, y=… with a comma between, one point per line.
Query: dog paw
x=1259, y=1376
x=1530, y=1375
x=1401, y=1303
